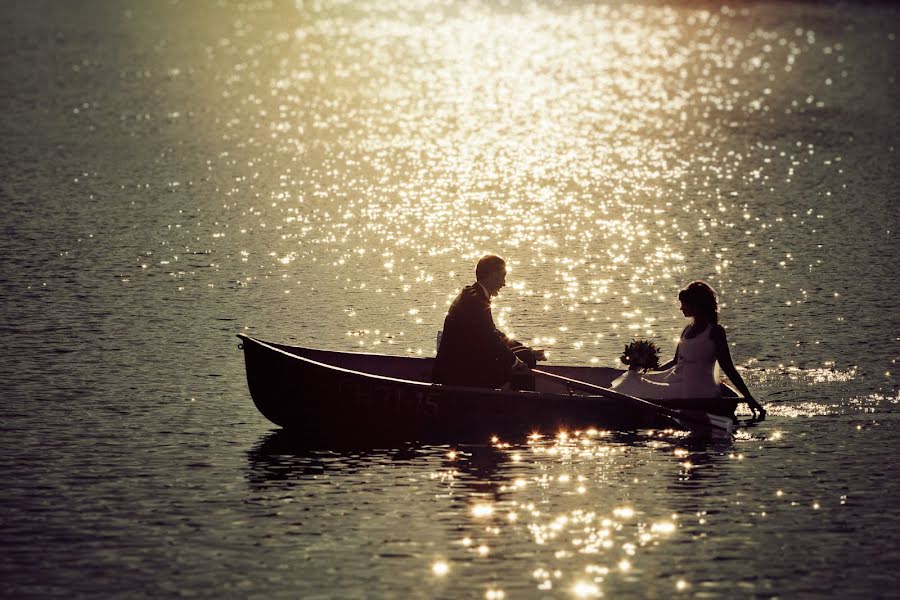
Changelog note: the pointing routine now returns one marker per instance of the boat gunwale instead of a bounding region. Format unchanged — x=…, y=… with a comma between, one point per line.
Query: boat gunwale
x=335, y=367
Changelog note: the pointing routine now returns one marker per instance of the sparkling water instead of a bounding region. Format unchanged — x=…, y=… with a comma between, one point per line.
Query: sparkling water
x=327, y=174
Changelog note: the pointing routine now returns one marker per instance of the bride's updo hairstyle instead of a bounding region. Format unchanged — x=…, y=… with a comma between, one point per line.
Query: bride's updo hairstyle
x=702, y=298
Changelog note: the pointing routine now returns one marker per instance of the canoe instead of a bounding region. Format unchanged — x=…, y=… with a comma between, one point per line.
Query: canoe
x=355, y=395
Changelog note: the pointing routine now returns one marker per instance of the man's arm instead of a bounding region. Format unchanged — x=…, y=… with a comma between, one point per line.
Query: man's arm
x=526, y=354
x=489, y=336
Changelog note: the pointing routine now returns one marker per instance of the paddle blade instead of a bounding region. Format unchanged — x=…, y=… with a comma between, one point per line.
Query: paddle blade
x=704, y=423
x=724, y=425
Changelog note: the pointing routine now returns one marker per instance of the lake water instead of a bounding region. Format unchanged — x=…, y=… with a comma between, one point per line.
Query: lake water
x=326, y=174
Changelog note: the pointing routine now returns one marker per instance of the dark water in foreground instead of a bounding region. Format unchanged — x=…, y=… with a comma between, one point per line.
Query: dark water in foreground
x=177, y=173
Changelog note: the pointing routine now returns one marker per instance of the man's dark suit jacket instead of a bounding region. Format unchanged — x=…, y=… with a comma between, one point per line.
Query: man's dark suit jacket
x=473, y=352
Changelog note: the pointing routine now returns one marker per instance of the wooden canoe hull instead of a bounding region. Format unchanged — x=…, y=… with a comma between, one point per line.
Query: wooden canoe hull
x=356, y=395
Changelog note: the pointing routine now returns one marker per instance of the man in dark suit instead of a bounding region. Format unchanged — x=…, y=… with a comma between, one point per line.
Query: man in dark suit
x=472, y=351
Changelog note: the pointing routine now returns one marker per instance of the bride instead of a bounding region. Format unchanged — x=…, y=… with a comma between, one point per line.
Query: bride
x=692, y=373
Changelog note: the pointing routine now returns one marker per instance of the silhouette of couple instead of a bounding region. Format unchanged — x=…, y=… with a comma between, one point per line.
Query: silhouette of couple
x=473, y=352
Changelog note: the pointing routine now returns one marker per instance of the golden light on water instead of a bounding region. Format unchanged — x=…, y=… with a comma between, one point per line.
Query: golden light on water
x=440, y=568
x=624, y=512
x=613, y=538
x=664, y=527
x=584, y=589
x=588, y=145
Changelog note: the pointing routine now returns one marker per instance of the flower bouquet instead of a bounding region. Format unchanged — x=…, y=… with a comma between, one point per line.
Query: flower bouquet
x=641, y=355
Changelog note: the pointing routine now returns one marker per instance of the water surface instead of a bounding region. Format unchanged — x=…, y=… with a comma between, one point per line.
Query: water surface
x=327, y=175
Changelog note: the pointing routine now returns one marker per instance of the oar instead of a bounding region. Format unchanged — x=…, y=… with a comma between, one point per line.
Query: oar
x=676, y=416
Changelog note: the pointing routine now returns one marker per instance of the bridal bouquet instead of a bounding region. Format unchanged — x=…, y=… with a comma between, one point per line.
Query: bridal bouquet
x=641, y=355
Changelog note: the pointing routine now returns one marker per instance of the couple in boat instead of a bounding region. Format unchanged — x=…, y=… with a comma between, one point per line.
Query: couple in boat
x=473, y=352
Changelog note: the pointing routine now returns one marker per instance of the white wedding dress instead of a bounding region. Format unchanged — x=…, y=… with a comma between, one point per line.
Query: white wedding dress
x=694, y=375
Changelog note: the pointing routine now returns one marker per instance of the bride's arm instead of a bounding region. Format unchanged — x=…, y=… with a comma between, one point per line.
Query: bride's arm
x=674, y=360
x=669, y=364
x=723, y=355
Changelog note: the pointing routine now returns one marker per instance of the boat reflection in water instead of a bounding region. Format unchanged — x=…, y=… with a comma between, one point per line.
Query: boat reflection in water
x=284, y=459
